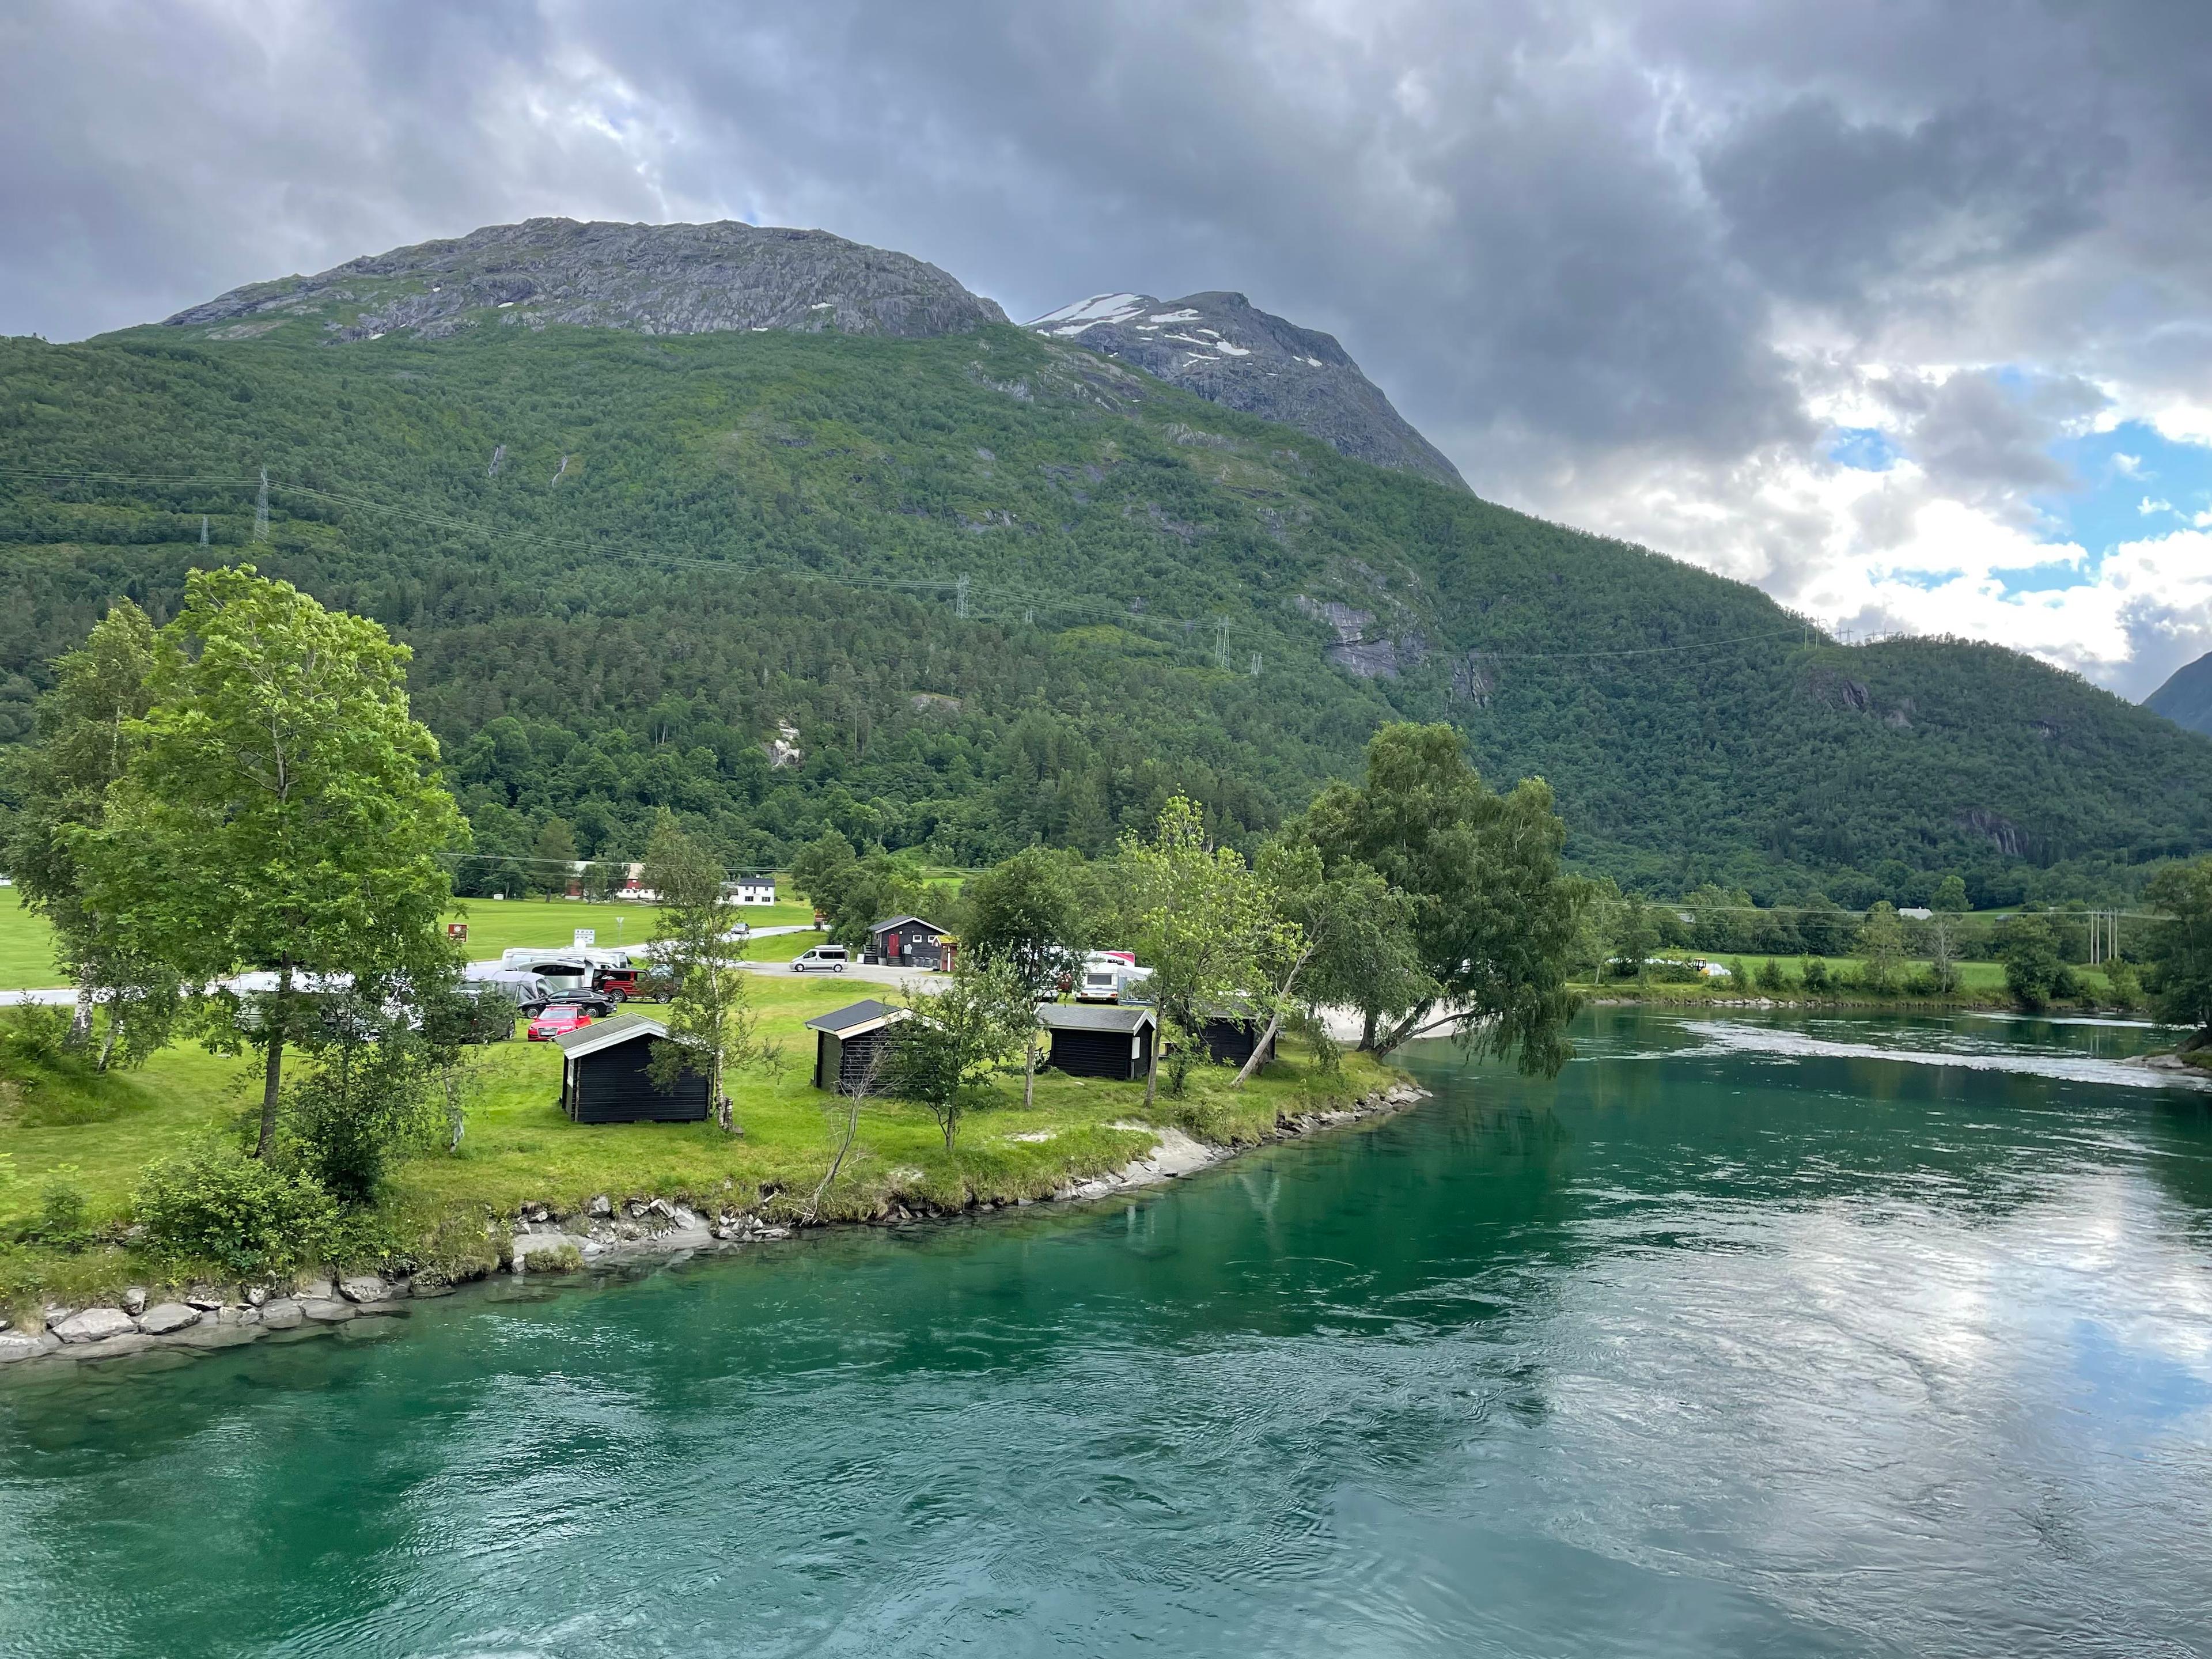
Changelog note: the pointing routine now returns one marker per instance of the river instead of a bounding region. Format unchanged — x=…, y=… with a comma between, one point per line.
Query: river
x=1750, y=1335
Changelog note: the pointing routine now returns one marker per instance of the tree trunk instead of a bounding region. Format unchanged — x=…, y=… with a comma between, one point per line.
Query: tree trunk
x=1275, y=1021
x=1259, y=1049
x=1152, y=1071
x=272, y=1077
x=1029, y=1074
x=1367, y=1030
x=107, y=1045
x=80, y=1031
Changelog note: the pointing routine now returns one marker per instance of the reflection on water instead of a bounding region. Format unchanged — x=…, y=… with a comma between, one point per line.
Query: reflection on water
x=1752, y=1349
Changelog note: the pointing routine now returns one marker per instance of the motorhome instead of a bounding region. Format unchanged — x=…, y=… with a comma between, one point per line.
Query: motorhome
x=1110, y=976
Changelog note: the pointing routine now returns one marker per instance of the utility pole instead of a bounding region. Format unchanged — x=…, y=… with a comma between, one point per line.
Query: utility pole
x=960, y=597
x=203, y=530
x=261, y=510
x=1221, y=643
x=1255, y=665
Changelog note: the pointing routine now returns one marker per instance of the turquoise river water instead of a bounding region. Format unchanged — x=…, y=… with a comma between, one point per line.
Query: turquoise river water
x=1748, y=1336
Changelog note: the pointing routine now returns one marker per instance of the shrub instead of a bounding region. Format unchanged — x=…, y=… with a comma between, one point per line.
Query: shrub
x=217, y=1206
x=1815, y=974
x=61, y=1223
x=1770, y=977
x=34, y=1040
x=362, y=1107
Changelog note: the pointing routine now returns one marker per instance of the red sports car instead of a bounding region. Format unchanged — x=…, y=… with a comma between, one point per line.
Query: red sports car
x=562, y=1017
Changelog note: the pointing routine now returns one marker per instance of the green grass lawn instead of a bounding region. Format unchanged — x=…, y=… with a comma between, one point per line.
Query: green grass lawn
x=27, y=948
x=518, y=1146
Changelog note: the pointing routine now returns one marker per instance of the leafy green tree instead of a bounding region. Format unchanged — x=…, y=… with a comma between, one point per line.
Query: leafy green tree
x=1825, y=927
x=2179, y=946
x=553, y=860
x=854, y=891
x=942, y=1057
x=1601, y=916
x=1028, y=911
x=711, y=1026
x=1882, y=943
x=1346, y=939
x=1199, y=918
x=1637, y=937
x=1943, y=975
x=2029, y=951
x=1812, y=974
x=1770, y=977
x=1950, y=896
x=1494, y=913
x=87, y=735
x=282, y=811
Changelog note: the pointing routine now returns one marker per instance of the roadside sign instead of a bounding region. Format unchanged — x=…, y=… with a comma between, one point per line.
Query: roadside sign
x=457, y=930
x=585, y=936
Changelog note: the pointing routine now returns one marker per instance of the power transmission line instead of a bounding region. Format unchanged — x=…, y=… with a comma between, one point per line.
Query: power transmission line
x=961, y=585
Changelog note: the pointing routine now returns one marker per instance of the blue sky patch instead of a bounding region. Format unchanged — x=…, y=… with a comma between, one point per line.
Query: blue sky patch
x=1862, y=448
x=2134, y=486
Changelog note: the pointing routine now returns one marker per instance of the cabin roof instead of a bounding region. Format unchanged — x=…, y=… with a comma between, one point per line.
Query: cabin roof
x=859, y=1019
x=1095, y=1017
x=608, y=1033
x=901, y=922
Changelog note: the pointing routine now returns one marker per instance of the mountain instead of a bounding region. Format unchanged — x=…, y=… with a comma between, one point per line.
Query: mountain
x=1003, y=588
x=1227, y=350
x=2187, y=699
x=655, y=279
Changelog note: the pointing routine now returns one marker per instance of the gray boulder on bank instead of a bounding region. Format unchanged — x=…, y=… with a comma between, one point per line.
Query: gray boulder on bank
x=164, y=1318
x=94, y=1325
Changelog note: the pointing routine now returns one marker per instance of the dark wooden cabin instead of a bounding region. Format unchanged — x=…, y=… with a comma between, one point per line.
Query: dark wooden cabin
x=909, y=942
x=1230, y=1038
x=846, y=1040
x=604, y=1078
x=1092, y=1039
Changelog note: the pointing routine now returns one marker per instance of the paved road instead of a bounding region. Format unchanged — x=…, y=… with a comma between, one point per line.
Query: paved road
x=871, y=973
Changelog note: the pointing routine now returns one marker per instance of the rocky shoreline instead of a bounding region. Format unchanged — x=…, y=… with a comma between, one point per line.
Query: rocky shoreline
x=604, y=1234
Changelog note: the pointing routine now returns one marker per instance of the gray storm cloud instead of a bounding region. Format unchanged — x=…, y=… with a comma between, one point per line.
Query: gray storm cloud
x=1596, y=250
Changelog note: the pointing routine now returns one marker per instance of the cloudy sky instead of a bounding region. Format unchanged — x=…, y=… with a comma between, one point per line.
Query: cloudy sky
x=1900, y=309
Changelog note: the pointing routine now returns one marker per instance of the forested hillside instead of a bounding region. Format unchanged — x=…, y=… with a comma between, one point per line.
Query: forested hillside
x=624, y=562
x=2187, y=698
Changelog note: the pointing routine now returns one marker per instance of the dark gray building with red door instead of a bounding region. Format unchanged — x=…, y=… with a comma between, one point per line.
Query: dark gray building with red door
x=909, y=942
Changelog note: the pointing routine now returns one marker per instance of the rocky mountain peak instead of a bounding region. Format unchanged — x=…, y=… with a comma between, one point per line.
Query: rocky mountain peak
x=655, y=279
x=1226, y=348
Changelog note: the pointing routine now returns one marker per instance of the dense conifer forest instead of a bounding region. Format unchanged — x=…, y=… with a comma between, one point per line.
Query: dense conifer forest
x=624, y=564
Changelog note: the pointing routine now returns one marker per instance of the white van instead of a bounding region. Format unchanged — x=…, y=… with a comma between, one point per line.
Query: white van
x=821, y=959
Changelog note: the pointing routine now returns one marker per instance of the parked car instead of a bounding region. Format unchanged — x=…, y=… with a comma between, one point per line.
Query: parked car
x=558, y=1020
x=821, y=959
x=598, y=1004
x=618, y=983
